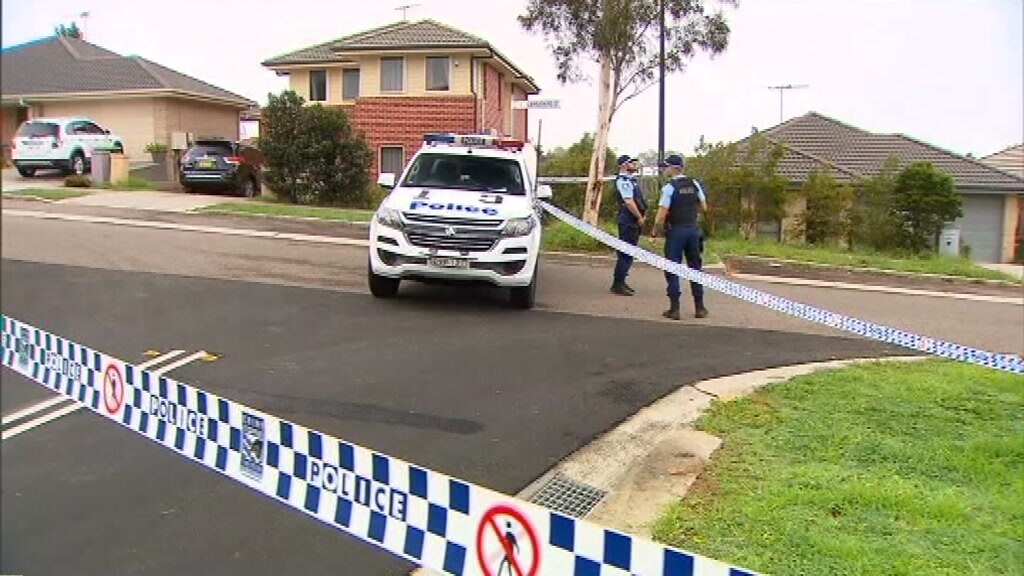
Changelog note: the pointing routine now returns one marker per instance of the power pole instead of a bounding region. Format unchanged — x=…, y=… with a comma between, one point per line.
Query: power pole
x=661, y=88
x=405, y=8
x=782, y=90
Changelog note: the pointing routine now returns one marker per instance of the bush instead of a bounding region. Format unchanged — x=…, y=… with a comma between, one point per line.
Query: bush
x=156, y=147
x=76, y=181
x=313, y=155
x=925, y=201
x=826, y=219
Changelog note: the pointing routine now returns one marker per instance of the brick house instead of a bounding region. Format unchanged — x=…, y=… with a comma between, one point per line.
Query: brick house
x=816, y=142
x=401, y=81
x=136, y=98
x=1012, y=160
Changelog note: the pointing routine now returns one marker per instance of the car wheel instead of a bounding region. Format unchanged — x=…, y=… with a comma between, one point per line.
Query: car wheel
x=382, y=286
x=77, y=166
x=248, y=188
x=27, y=172
x=524, y=297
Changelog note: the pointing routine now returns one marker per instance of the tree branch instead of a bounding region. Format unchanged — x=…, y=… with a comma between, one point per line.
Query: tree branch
x=640, y=89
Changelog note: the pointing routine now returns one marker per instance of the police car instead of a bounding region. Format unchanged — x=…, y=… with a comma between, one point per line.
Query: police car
x=465, y=209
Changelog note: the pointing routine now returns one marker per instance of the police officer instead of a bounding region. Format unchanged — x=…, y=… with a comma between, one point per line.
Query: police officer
x=681, y=201
x=632, y=208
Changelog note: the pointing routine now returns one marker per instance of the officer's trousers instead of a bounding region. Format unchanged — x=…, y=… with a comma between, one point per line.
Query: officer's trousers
x=688, y=241
x=629, y=232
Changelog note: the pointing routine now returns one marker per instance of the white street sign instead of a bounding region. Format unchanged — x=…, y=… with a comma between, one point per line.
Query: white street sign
x=536, y=104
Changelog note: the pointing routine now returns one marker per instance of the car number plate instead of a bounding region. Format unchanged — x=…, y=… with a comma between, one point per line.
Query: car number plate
x=207, y=163
x=448, y=263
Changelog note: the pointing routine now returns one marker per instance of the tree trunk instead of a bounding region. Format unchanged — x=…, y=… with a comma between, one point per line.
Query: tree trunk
x=595, y=181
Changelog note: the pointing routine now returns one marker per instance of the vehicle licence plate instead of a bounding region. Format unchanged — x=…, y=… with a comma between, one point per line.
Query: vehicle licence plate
x=207, y=163
x=448, y=263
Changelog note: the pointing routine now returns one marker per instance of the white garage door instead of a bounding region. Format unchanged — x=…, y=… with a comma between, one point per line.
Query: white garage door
x=981, y=227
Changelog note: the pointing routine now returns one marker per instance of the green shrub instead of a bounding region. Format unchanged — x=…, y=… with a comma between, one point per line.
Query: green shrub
x=76, y=181
x=156, y=147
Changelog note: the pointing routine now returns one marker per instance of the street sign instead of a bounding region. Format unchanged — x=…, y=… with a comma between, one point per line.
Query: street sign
x=549, y=104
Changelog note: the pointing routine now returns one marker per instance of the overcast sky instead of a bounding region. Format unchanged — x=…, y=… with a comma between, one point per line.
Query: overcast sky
x=950, y=72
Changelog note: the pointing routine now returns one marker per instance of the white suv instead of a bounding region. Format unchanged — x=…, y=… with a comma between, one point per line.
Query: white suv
x=466, y=209
x=63, y=143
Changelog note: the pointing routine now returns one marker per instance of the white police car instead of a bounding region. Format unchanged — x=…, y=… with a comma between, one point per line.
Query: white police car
x=466, y=209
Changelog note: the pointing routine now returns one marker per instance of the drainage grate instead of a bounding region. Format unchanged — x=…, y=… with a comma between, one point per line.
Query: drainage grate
x=568, y=496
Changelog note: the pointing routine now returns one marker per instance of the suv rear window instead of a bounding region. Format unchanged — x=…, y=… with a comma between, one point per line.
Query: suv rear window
x=466, y=172
x=210, y=149
x=38, y=130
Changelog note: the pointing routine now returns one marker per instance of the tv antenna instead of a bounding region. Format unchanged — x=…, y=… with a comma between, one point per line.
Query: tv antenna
x=405, y=8
x=782, y=90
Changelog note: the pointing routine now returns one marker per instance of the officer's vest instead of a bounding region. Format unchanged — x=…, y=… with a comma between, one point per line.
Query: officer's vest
x=685, y=203
x=638, y=195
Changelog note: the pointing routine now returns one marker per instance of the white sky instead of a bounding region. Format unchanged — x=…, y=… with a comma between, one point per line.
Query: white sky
x=950, y=72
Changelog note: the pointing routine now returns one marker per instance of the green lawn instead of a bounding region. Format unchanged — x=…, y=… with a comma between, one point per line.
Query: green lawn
x=130, y=184
x=49, y=193
x=934, y=264
x=884, y=469
x=264, y=208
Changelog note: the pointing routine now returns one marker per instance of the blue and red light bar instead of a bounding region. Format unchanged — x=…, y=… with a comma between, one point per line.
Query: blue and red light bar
x=475, y=140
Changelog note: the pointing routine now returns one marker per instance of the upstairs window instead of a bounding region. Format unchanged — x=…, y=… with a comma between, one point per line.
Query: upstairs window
x=350, y=84
x=318, y=85
x=438, y=73
x=392, y=74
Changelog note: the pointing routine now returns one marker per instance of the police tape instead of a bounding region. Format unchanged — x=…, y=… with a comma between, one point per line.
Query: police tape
x=942, y=348
x=434, y=520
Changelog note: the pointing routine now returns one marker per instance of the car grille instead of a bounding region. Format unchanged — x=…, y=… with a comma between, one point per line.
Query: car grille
x=445, y=221
x=470, y=240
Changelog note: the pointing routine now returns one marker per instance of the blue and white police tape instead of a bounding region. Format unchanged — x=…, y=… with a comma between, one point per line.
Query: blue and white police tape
x=1006, y=362
x=434, y=520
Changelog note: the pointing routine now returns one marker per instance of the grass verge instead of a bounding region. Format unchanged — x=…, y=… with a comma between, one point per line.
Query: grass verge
x=930, y=264
x=264, y=208
x=48, y=193
x=129, y=184
x=881, y=469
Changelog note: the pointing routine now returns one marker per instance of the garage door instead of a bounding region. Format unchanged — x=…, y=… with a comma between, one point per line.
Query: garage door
x=981, y=227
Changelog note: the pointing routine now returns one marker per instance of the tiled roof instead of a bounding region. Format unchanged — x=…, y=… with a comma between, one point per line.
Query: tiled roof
x=1010, y=160
x=855, y=152
x=63, y=65
x=399, y=35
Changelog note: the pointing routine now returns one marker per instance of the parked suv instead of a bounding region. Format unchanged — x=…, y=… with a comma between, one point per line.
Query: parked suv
x=221, y=164
x=63, y=143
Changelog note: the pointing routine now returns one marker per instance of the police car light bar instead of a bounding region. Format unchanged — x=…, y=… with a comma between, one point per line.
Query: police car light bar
x=475, y=140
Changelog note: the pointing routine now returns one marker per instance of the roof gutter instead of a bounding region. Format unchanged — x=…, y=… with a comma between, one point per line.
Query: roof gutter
x=142, y=93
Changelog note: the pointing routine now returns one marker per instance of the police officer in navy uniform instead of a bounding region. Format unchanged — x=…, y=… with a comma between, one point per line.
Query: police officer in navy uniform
x=682, y=199
x=632, y=209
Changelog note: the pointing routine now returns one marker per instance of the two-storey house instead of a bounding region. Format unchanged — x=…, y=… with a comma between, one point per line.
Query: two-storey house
x=404, y=80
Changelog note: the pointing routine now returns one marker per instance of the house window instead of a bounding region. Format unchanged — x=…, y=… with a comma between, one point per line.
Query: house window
x=392, y=74
x=392, y=159
x=318, y=85
x=438, y=73
x=350, y=83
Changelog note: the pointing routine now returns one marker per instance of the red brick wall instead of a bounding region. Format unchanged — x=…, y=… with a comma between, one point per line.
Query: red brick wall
x=520, y=126
x=493, y=110
x=404, y=121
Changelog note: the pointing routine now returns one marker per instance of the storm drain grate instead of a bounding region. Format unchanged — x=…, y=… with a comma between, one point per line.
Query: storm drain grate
x=568, y=496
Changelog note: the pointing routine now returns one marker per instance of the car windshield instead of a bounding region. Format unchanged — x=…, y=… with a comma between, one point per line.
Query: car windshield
x=38, y=130
x=466, y=172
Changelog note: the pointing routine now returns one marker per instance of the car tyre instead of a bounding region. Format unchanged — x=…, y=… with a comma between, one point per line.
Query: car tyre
x=248, y=188
x=26, y=172
x=525, y=297
x=76, y=165
x=382, y=286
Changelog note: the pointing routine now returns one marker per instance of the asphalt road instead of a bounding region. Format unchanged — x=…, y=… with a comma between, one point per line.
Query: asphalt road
x=452, y=380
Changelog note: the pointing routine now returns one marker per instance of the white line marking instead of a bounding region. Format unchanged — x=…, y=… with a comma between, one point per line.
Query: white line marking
x=32, y=410
x=40, y=421
x=153, y=362
x=179, y=363
x=874, y=288
x=189, y=228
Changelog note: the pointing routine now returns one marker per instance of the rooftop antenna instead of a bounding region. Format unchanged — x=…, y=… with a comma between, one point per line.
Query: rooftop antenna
x=782, y=90
x=405, y=8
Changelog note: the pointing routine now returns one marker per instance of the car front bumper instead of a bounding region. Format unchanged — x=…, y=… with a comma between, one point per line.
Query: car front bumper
x=510, y=262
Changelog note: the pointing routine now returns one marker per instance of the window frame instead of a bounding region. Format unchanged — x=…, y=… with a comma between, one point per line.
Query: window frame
x=448, y=74
x=327, y=85
x=359, y=81
x=380, y=158
x=405, y=69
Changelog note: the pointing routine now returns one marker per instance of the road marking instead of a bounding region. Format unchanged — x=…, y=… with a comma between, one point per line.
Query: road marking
x=162, y=357
x=179, y=363
x=40, y=421
x=877, y=288
x=7, y=420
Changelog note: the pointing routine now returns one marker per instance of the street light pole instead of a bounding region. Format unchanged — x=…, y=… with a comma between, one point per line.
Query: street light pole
x=661, y=88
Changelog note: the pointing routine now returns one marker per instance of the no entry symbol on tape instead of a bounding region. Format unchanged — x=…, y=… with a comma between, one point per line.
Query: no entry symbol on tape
x=113, y=389
x=506, y=543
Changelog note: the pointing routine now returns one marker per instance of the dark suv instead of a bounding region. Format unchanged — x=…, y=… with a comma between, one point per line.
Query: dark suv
x=221, y=164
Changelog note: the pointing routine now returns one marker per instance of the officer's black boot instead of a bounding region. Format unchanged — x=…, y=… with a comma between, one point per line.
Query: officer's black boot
x=628, y=288
x=621, y=289
x=702, y=312
x=673, y=310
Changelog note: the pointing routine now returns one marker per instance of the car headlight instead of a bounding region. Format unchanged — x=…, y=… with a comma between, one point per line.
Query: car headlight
x=518, y=227
x=389, y=217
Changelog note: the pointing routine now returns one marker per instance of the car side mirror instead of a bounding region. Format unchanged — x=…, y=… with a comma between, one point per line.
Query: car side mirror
x=386, y=180
x=544, y=192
